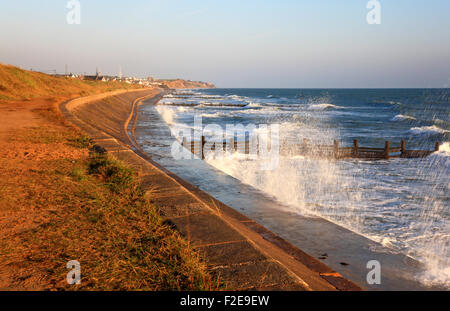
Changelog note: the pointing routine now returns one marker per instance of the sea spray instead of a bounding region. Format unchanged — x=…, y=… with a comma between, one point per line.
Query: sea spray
x=401, y=203
x=167, y=113
x=435, y=243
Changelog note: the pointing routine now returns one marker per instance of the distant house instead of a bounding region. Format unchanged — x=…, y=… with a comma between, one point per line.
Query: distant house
x=93, y=78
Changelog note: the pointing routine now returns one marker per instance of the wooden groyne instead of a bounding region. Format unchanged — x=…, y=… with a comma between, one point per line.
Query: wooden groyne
x=308, y=149
x=361, y=152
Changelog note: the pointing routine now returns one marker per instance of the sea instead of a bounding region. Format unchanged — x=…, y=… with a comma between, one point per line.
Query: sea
x=400, y=204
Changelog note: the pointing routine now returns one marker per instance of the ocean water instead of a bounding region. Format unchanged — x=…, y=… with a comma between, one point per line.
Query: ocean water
x=401, y=203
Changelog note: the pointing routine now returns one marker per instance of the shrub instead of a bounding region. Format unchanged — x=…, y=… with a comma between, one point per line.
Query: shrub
x=117, y=176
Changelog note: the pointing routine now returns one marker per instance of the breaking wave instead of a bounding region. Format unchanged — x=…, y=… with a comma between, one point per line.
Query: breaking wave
x=323, y=107
x=401, y=117
x=410, y=217
x=428, y=130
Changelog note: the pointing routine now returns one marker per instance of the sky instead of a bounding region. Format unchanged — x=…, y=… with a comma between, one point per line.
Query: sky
x=246, y=43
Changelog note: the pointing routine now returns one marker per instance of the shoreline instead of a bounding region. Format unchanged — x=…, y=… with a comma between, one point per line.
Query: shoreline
x=309, y=273
x=345, y=250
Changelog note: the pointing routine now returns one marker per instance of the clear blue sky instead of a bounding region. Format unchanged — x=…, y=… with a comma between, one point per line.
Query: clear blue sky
x=246, y=43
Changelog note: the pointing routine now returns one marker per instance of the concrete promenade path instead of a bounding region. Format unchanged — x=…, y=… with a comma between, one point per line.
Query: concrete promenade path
x=244, y=254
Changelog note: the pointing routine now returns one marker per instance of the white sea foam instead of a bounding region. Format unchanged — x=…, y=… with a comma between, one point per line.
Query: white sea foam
x=445, y=148
x=210, y=96
x=213, y=115
x=221, y=104
x=436, y=259
x=444, y=151
x=182, y=109
x=237, y=97
x=435, y=276
x=323, y=106
x=401, y=117
x=428, y=130
x=254, y=105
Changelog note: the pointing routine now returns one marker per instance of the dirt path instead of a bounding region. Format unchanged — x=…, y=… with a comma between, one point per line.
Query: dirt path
x=54, y=208
x=17, y=115
x=23, y=150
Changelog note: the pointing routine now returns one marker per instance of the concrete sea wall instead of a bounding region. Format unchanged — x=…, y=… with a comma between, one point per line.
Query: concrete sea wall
x=244, y=254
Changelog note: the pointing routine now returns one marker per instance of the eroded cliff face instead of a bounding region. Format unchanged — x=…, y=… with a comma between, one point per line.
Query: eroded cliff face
x=186, y=84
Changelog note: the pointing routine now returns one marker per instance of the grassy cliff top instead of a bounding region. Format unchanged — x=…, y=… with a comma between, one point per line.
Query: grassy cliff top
x=185, y=84
x=19, y=84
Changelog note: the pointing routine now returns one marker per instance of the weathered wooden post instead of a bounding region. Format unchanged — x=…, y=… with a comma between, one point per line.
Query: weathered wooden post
x=305, y=146
x=336, y=149
x=386, y=149
x=203, y=147
x=355, y=148
x=257, y=146
x=437, y=146
x=403, y=147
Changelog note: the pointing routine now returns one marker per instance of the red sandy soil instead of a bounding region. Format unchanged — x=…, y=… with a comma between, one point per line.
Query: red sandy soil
x=21, y=155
